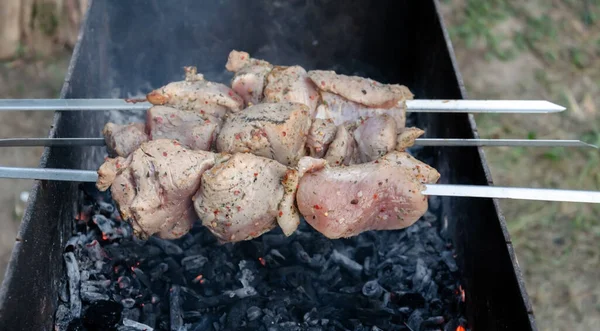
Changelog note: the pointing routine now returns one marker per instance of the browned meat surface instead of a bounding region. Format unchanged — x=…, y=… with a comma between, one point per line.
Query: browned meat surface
x=343, y=150
x=291, y=84
x=361, y=90
x=122, y=140
x=321, y=134
x=346, y=201
x=375, y=137
x=274, y=130
x=406, y=137
x=242, y=197
x=195, y=93
x=192, y=129
x=153, y=187
x=250, y=76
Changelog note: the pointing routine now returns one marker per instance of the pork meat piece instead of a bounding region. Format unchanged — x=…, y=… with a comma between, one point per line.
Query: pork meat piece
x=360, y=90
x=250, y=76
x=192, y=129
x=406, y=137
x=321, y=135
x=341, y=110
x=343, y=150
x=122, y=140
x=423, y=172
x=154, y=186
x=348, y=98
x=197, y=94
x=375, y=137
x=343, y=202
x=274, y=130
x=244, y=196
x=291, y=84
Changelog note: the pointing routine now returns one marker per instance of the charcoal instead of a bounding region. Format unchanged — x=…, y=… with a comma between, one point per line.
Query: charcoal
x=415, y=320
x=175, y=312
x=128, y=303
x=90, y=297
x=350, y=265
x=131, y=313
x=379, y=280
x=149, y=314
x=168, y=247
x=253, y=313
x=62, y=318
x=134, y=325
x=448, y=259
x=102, y=315
x=63, y=291
x=194, y=262
x=372, y=289
x=106, y=208
x=73, y=274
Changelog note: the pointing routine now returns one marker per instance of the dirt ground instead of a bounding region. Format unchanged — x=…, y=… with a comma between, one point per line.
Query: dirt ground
x=506, y=50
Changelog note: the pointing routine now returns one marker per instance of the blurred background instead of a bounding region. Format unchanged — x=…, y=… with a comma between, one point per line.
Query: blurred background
x=505, y=50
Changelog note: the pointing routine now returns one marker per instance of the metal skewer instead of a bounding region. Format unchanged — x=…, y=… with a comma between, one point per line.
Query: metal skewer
x=65, y=142
x=474, y=191
x=417, y=106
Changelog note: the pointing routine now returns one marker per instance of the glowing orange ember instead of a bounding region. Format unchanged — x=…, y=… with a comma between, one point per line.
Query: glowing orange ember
x=262, y=261
x=199, y=279
x=460, y=328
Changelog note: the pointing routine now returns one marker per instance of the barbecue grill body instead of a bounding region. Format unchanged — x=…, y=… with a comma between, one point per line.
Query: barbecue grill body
x=126, y=48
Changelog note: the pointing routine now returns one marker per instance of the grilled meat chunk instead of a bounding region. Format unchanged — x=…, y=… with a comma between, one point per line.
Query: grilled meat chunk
x=343, y=150
x=195, y=93
x=153, y=187
x=244, y=196
x=361, y=90
x=274, y=130
x=291, y=84
x=121, y=140
x=250, y=76
x=406, y=137
x=348, y=98
x=321, y=135
x=375, y=137
x=191, y=129
x=346, y=201
x=421, y=171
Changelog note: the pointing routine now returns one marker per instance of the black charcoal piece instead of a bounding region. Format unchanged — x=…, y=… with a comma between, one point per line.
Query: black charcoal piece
x=128, y=303
x=415, y=320
x=135, y=325
x=449, y=260
x=372, y=289
x=74, y=284
x=253, y=313
x=62, y=318
x=175, y=312
x=352, y=266
x=167, y=246
x=102, y=315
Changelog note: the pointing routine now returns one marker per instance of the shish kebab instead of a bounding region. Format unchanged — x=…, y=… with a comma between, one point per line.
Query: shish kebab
x=257, y=79
x=375, y=154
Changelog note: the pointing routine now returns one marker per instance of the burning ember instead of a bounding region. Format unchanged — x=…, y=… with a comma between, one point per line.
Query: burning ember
x=388, y=280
